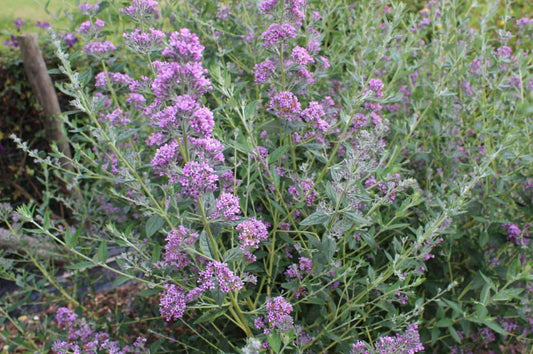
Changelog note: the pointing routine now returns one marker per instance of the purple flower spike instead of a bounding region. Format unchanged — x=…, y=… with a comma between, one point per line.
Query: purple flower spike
x=184, y=46
x=88, y=9
x=278, y=314
x=43, y=25
x=227, y=207
x=97, y=48
x=19, y=23
x=142, y=10
x=172, y=304
x=65, y=317
x=301, y=56
x=252, y=232
x=286, y=105
x=277, y=33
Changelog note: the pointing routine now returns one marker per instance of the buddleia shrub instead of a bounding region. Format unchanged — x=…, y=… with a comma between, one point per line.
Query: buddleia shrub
x=302, y=176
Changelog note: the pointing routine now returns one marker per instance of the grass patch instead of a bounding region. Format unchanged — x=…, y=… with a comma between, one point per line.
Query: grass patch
x=31, y=11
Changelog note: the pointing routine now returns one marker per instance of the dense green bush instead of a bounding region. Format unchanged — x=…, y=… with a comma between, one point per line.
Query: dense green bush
x=343, y=177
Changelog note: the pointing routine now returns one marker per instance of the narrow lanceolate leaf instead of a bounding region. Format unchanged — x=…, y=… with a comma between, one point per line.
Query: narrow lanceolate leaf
x=359, y=219
x=153, y=225
x=204, y=245
x=318, y=217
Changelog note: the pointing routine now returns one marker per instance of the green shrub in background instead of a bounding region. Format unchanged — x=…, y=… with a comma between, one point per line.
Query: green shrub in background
x=294, y=176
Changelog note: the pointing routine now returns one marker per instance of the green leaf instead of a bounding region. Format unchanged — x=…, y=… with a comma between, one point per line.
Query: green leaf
x=513, y=270
x=495, y=327
x=156, y=253
x=327, y=249
x=277, y=206
x=275, y=175
x=275, y=342
x=507, y=294
x=154, y=223
x=218, y=295
x=318, y=217
x=249, y=110
x=456, y=307
x=445, y=322
x=485, y=294
x=369, y=239
x=120, y=280
x=435, y=332
x=102, y=252
x=355, y=217
x=204, y=245
x=154, y=347
x=71, y=239
x=331, y=192
x=397, y=226
x=481, y=313
x=233, y=254
x=276, y=154
x=454, y=334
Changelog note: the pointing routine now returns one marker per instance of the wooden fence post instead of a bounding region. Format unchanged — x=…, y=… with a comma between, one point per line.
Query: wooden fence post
x=43, y=88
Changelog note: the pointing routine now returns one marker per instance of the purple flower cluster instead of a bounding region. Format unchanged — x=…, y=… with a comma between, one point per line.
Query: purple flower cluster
x=65, y=317
x=293, y=10
x=118, y=117
x=303, y=187
x=277, y=33
x=142, y=10
x=514, y=234
x=251, y=233
x=186, y=78
x=42, y=25
x=88, y=9
x=217, y=274
x=224, y=12
x=408, y=343
x=298, y=271
x=524, y=21
x=227, y=207
x=81, y=338
x=99, y=48
x=184, y=46
x=264, y=70
x=175, y=249
x=278, y=316
x=198, y=178
x=101, y=79
x=268, y=5
x=165, y=158
x=89, y=27
x=69, y=39
x=376, y=86
x=144, y=42
x=208, y=149
x=315, y=115
x=169, y=118
x=172, y=303
x=300, y=67
x=19, y=23
x=301, y=56
x=203, y=122
x=286, y=105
